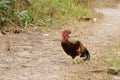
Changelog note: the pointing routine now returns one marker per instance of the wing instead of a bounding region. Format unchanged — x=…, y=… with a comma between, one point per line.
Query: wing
x=66, y=47
x=71, y=47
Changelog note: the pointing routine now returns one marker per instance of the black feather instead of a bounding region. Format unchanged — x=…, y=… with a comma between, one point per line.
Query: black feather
x=85, y=54
x=71, y=49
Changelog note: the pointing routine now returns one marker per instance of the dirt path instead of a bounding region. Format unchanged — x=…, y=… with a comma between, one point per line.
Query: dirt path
x=39, y=56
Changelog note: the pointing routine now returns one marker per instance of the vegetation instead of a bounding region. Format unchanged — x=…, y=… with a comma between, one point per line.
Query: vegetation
x=113, y=57
x=113, y=60
x=40, y=13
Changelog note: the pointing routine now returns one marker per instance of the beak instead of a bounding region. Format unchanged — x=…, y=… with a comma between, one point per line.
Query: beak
x=70, y=35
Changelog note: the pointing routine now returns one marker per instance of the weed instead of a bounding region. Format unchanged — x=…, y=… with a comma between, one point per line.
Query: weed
x=112, y=59
x=42, y=12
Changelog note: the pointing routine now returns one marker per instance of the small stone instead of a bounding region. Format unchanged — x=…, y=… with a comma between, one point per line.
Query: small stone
x=116, y=78
x=46, y=35
x=23, y=54
x=94, y=20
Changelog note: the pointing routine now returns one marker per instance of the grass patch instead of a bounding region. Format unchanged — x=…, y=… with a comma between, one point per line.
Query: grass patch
x=112, y=59
x=40, y=13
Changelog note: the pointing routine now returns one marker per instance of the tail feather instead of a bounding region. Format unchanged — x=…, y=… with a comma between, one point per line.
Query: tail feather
x=85, y=54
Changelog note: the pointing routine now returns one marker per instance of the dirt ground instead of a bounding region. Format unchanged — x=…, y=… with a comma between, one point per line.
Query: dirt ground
x=39, y=56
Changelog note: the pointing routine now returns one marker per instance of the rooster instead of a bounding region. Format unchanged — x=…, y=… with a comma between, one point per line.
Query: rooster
x=75, y=47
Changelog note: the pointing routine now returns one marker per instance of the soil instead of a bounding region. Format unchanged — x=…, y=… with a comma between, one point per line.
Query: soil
x=38, y=55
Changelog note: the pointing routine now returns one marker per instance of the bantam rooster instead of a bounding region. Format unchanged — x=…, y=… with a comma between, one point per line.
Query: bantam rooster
x=73, y=48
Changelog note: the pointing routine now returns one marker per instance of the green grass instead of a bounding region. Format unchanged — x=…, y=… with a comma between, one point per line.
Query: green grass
x=112, y=59
x=42, y=13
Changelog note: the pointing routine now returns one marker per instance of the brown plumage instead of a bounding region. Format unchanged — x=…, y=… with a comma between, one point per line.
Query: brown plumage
x=74, y=48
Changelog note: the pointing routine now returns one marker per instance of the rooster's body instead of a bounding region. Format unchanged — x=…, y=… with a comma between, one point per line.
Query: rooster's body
x=74, y=48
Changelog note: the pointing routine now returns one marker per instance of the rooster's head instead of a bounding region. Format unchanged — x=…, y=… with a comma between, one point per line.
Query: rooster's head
x=65, y=34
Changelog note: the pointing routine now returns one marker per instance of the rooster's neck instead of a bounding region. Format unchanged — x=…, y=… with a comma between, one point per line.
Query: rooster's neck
x=65, y=38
